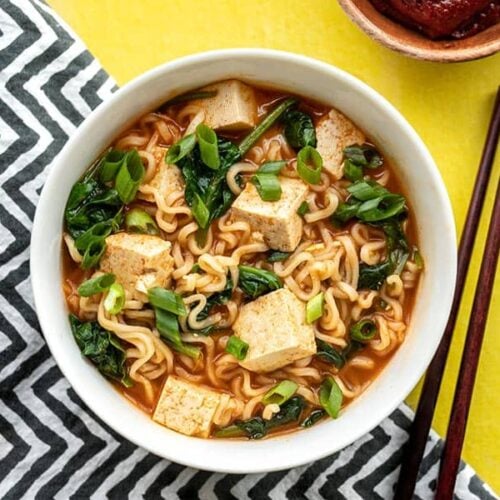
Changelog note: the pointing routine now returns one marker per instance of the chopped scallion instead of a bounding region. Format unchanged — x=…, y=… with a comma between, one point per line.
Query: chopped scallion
x=115, y=299
x=271, y=167
x=264, y=125
x=139, y=221
x=129, y=176
x=93, y=253
x=237, y=347
x=367, y=190
x=268, y=186
x=110, y=164
x=209, y=150
x=191, y=96
x=168, y=328
x=180, y=149
x=364, y=155
x=417, y=258
x=314, y=308
x=352, y=172
x=363, y=330
x=280, y=393
x=96, y=285
x=303, y=209
x=309, y=165
x=167, y=300
x=330, y=397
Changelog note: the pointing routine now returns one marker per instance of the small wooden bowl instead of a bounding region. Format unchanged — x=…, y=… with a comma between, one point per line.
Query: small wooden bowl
x=413, y=44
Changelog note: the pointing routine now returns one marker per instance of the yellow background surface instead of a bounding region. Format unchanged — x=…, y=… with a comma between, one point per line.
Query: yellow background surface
x=449, y=106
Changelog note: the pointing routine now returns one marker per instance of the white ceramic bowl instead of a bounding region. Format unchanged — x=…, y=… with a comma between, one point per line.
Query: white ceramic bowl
x=428, y=197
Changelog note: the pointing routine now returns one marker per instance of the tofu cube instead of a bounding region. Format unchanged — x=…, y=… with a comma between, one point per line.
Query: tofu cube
x=187, y=408
x=138, y=261
x=278, y=221
x=334, y=132
x=167, y=179
x=276, y=331
x=233, y=108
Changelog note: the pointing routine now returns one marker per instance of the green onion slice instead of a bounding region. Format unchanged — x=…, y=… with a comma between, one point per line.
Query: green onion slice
x=352, y=172
x=167, y=300
x=264, y=125
x=314, y=308
x=129, y=176
x=268, y=186
x=96, y=285
x=280, y=393
x=191, y=96
x=381, y=208
x=417, y=258
x=330, y=397
x=200, y=211
x=367, y=190
x=363, y=330
x=93, y=253
x=115, y=299
x=168, y=328
x=139, y=221
x=209, y=150
x=303, y=209
x=309, y=165
x=180, y=149
x=110, y=164
x=364, y=155
x=271, y=167
x=237, y=347
x=345, y=212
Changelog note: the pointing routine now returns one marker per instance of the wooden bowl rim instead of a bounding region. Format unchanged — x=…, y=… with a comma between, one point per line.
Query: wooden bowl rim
x=441, y=53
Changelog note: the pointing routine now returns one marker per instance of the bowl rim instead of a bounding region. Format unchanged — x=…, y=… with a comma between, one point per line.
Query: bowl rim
x=434, y=54
x=214, y=462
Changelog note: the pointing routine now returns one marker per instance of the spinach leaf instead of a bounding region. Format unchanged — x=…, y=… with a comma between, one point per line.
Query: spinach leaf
x=363, y=155
x=277, y=256
x=289, y=412
x=299, y=129
x=314, y=417
x=256, y=282
x=218, y=298
x=90, y=202
x=102, y=347
x=373, y=276
x=257, y=427
x=206, y=187
x=336, y=357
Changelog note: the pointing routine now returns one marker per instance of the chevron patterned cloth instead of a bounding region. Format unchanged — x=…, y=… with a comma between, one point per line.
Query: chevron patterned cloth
x=51, y=445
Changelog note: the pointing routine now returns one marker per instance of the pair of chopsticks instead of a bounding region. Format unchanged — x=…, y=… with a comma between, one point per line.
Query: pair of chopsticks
x=414, y=450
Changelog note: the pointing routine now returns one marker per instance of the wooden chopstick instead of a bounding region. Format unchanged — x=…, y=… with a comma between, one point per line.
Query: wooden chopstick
x=419, y=432
x=470, y=358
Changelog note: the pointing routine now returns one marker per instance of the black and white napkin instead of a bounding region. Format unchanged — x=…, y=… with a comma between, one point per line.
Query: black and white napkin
x=51, y=445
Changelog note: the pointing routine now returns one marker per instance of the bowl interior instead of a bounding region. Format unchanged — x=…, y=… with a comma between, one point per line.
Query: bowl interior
x=409, y=42
x=428, y=197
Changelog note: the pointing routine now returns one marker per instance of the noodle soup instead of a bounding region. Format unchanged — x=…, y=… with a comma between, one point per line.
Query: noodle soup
x=240, y=262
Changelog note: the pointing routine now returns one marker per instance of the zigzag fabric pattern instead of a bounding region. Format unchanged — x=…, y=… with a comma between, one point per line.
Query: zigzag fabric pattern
x=51, y=445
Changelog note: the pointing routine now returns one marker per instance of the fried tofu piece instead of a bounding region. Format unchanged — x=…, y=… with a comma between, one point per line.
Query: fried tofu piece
x=167, y=179
x=334, y=132
x=138, y=261
x=233, y=108
x=278, y=221
x=276, y=331
x=187, y=408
